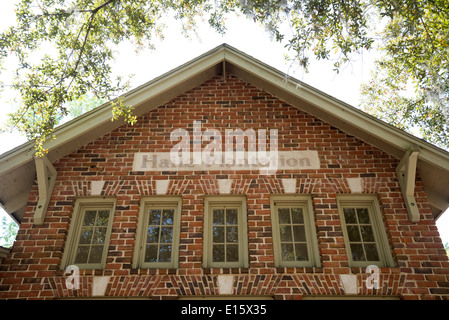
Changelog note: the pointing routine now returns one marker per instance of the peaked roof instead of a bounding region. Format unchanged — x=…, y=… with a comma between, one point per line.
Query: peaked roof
x=18, y=169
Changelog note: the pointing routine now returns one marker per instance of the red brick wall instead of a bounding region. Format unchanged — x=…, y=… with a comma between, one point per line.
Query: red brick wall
x=32, y=270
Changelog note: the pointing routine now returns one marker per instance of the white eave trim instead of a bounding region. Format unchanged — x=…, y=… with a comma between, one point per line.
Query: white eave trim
x=102, y=114
x=340, y=110
x=151, y=94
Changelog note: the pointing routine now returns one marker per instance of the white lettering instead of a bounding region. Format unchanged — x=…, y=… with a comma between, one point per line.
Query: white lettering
x=198, y=310
x=239, y=153
x=183, y=146
x=72, y=281
x=373, y=279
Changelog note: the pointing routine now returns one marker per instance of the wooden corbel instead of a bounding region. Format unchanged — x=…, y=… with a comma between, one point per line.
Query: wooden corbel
x=46, y=177
x=406, y=172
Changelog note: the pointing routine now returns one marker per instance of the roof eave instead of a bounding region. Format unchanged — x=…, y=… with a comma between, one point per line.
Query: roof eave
x=433, y=162
x=96, y=123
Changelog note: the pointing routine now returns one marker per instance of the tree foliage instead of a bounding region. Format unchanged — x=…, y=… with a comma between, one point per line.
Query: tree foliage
x=82, y=37
x=8, y=232
x=410, y=86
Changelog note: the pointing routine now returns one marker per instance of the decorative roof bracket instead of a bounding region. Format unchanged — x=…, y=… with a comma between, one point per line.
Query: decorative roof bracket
x=224, y=70
x=406, y=172
x=46, y=177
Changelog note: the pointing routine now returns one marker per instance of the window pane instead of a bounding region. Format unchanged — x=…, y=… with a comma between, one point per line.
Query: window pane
x=86, y=235
x=165, y=253
x=82, y=254
x=102, y=218
x=361, y=234
x=287, y=252
x=89, y=218
x=153, y=235
x=218, y=217
x=349, y=215
x=367, y=233
x=293, y=235
x=353, y=233
x=167, y=216
x=96, y=253
x=231, y=234
x=285, y=233
x=231, y=216
x=218, y=253
x=218, y=234
x=232, y=252
x=301, y=252
x=224, y=246
x=92, y=236
x=166, y=235
x=363, y=215
x=151, y=253
x=357, y=252
x=297, y=215
x=155, y=217
x=284, y=215
x=299, y=233
x=99, y=236
x=371, y=252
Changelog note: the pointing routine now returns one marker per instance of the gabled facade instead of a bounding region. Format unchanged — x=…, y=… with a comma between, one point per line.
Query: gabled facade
x=348, y=210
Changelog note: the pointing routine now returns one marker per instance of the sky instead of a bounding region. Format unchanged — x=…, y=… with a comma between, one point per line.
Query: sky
x=242, y=34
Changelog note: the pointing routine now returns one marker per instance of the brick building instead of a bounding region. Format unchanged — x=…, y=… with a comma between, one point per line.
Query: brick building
x=349, y=210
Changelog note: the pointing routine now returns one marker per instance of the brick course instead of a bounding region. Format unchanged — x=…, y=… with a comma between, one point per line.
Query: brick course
x=32, y=270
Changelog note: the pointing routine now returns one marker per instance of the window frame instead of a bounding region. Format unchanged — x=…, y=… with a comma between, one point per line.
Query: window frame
x=221, y=202
x=139, y=248
x=379, y=231
x=304, y=202
x=82, y=205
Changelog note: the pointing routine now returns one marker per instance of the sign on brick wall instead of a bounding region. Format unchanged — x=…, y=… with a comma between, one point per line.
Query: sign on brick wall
x=199, y=149
x=283, y=160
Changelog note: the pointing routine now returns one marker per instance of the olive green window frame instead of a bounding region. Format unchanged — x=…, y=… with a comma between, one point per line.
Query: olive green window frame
x=305, y=203
x=377, y=224
x=82, y=205
x=146, y=204
x=211, y=203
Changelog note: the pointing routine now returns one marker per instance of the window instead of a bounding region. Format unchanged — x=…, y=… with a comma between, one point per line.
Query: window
x=157, y=237
x=225, y=234
x=364, y=232
x=294, y=234
x=88, y=239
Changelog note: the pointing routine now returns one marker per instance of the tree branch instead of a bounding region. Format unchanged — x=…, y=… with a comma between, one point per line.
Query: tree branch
x=63, y=76
x=91, y=18
x=63, y=12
